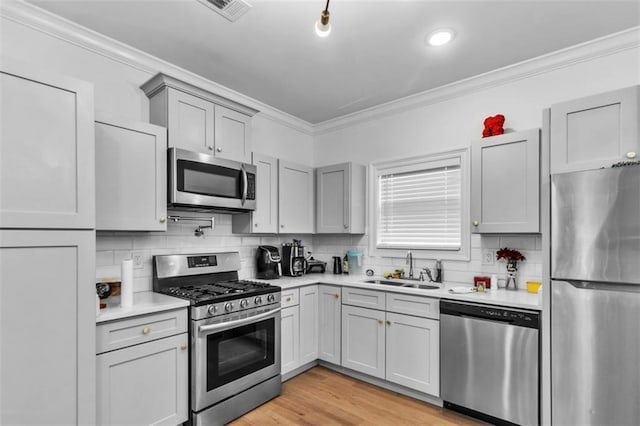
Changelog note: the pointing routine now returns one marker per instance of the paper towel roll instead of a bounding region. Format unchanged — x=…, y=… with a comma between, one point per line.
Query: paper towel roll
x=126, y=284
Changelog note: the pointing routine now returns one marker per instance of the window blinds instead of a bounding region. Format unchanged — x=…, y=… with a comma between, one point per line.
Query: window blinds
x=420, y=209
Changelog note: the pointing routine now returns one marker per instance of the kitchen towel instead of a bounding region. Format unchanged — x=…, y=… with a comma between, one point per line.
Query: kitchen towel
x=126, y=284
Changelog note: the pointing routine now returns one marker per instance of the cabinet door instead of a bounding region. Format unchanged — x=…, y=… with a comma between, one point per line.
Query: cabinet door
x=413, y=352
x=47, y=151
x=144, y=384
x=308, y=324
x=47, y=324
x=295, y=198
x=232, y=135
x=505, y=187
x=596, y=131
x=290, y=339
x=329, y=323
x=190, y=122
x=363, y=340
x=264, y=219
x=131, y=176
x=332, y=198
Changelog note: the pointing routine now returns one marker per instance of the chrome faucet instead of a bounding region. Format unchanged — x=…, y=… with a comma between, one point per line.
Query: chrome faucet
x=409, y=261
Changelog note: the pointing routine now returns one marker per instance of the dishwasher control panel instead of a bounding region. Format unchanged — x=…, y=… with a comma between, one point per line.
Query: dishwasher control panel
x=511, y=316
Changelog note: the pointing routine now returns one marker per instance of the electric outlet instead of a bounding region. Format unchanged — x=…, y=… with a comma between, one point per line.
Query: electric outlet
x=137, y=260
x=488, y=257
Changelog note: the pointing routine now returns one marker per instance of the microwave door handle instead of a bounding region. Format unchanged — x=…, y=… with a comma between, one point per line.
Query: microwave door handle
x=231, y=324
x=245, y=184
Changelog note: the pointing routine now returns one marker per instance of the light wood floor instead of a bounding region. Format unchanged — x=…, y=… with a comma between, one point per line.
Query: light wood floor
x=323, y=397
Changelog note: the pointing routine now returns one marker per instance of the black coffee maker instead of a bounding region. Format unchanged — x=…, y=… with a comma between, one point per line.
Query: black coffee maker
x=269, y=264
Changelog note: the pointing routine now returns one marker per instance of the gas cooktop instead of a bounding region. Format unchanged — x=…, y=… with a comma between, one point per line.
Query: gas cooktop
x=219, y=291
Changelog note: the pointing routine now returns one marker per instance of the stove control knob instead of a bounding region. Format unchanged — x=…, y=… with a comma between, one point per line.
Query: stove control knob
x=228, y=306
x=257, y=300
x=244, y=303
x=271, y=298
x=212, y=309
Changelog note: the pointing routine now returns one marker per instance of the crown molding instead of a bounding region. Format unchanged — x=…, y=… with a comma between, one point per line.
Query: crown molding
x=55, y=26
x=603, y=46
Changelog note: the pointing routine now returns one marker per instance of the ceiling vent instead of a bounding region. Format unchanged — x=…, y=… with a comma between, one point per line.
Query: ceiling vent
x=230, y=9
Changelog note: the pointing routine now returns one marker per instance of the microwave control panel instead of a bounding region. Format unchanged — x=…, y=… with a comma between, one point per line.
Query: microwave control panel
x=251, y=186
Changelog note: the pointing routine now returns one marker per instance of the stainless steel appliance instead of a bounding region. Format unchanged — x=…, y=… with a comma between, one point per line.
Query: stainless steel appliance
x=489, y=362
x=202, y=182
x=234, y=333
x=268, y=263
x=595, y=297
x=293, y=262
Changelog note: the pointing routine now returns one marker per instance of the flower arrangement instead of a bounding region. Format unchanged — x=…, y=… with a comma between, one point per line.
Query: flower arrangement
x=511, y=255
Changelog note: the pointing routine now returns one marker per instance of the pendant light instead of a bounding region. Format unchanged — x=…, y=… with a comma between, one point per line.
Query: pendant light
x=323, y=26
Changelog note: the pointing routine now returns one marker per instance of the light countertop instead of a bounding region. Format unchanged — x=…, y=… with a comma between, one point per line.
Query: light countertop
x=502, y=297
x=146, y=302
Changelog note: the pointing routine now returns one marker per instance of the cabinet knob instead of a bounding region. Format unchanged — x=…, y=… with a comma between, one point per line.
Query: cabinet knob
x=631, y=154
x=475, y=223
x=146, y=330
x=288, y=299
x=336, y=295
x=388, y=322
x=183, y=346
x=380, y=322
x=346, y=226
x=281, y=226
x=219, y=149
x=210, y=148
x=255, y=225
x=163, y=219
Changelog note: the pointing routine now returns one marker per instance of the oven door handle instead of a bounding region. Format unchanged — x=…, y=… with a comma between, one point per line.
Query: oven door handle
x=237, y=323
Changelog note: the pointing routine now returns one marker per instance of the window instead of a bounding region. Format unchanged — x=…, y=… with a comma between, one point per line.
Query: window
x=421, y=204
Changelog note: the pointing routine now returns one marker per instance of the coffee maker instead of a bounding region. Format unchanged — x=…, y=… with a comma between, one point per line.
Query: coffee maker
x=293, y=261
x=269, y=264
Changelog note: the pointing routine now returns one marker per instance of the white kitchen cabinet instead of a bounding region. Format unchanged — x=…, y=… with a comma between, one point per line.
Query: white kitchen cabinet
x=144, y=383
x=329, y=318
x=296, y=204
x=595, y=131
x=290, y=339
x=412, y=352
x=47, y=146
x=131, y=175
x=264, y=219
x=199, y=120
x=363, y=340
x=47, y=324
x=340, y=195
x=308, y=324
x=505, y=184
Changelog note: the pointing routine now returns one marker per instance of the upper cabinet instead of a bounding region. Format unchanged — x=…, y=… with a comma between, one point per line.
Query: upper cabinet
x=131, y=176
x=264, y=219
x=198, y=120
x=47, y=150
x=340, y=195
x=295, y=198
x=505, y=184
x=596, y=131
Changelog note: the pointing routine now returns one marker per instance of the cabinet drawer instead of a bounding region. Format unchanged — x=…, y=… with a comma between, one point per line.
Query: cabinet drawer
x=364, y=298
x=413, y=305
x=145, y=328
x=289, y=297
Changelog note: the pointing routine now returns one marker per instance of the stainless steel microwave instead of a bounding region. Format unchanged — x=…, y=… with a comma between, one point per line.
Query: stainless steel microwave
x=203, y=182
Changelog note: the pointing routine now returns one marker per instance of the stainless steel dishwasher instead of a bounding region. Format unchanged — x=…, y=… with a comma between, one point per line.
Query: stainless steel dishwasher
x=489, y=362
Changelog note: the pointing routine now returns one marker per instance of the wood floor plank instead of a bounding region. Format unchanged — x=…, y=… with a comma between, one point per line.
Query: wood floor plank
x=324, y=397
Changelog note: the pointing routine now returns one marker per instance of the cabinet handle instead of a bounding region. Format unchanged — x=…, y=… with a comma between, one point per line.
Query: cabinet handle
x=380, y=322
x=183, y=346
x=255, y=224
x=336, y=295
x=281, y=226
x=146, y=330
x=163, y=219
x=219, y=149
x=631, y=154
x=288, y=299
x=346, y=226
x=210, y=148
x=475, y=223
x=388, y=322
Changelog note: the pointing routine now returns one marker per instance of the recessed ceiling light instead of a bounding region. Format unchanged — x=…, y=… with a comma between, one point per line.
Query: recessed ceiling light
x=440, y=37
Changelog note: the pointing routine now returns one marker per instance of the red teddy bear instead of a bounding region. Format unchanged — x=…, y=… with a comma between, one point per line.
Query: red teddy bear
x=493, y=126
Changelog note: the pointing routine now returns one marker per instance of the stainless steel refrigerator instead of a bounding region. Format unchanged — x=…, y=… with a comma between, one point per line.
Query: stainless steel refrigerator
x=595, y=297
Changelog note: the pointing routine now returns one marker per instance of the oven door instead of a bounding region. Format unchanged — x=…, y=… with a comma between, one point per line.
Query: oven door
x=233, y=355
x=202, y=181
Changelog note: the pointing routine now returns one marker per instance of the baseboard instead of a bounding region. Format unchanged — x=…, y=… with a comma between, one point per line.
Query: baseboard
x=291, y=374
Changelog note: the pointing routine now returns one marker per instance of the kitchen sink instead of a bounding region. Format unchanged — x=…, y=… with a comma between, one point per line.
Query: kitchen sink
x=403, y=284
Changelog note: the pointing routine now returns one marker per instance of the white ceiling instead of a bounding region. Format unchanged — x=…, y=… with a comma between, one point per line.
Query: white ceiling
x=374, y=54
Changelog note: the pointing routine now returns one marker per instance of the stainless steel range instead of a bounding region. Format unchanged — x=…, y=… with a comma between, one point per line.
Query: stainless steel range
x=234, y=333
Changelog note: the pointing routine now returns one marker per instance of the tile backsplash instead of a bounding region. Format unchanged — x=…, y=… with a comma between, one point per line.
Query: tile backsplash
x=113, y=247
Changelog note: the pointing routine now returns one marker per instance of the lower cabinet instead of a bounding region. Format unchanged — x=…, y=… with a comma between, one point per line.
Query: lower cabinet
x=145, y=382
x=329, y=335
x=290, y=339
x=299, y=330
x=363, y=340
